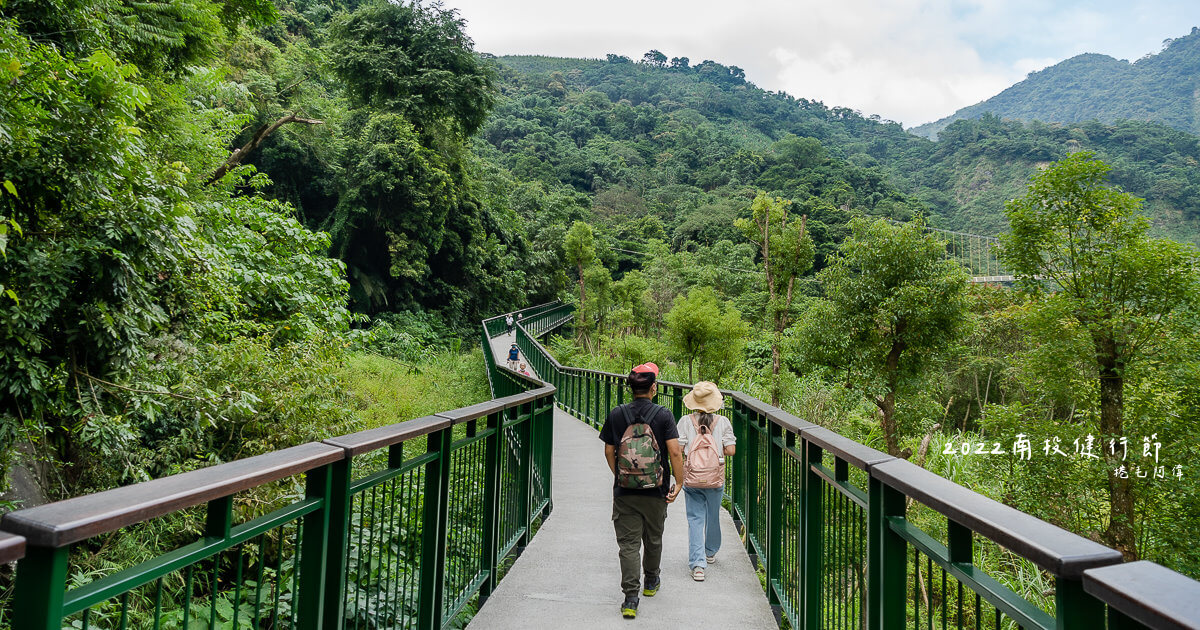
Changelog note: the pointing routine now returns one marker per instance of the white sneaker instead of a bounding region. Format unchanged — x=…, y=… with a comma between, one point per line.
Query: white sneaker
x=710, y=559
x=698, y=574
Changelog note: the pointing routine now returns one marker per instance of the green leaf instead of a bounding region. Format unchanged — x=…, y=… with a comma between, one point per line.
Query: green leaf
x=12, y=190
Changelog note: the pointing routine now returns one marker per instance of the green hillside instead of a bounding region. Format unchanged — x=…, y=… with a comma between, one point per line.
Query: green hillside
x=677, y=140
x=1159, y=88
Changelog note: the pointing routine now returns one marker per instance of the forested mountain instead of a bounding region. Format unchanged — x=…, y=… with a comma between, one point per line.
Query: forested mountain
x=1160, y=87
x=690, y=143
x=210, y=208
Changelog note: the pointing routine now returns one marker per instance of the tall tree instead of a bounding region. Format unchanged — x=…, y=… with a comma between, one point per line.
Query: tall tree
x=700, y=328
x=787, y=254
x=893, y=303
x=580, y=249
x=1089, y=243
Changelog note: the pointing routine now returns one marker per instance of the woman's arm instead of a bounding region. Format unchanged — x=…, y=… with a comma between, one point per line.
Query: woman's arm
x=727, y=437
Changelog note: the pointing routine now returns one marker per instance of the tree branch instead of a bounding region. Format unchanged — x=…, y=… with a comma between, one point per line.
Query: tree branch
x=238, y=155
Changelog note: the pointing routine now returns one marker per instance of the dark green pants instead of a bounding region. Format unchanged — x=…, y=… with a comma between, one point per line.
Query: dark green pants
x=639, y=522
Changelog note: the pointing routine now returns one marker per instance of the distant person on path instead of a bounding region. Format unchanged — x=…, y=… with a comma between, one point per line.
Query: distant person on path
x=514, y=354
x=508, y=321
x=706, y=440
x=641, y=446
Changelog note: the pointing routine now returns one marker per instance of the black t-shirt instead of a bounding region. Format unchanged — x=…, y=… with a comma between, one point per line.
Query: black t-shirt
x=661, y=422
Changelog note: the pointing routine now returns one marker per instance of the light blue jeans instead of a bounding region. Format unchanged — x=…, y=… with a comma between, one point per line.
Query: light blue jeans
x=704, y=523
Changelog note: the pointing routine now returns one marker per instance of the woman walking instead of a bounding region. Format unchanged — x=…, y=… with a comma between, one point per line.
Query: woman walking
x=706, y=440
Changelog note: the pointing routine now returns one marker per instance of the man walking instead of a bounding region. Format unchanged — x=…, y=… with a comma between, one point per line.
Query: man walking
x=641, y=444
x=508, y=323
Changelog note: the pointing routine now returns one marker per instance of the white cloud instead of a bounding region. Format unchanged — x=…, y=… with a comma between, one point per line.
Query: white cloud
x=907, y=60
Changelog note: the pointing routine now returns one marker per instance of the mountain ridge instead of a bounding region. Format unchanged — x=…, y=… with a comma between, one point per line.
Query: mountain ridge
x=1162, y=87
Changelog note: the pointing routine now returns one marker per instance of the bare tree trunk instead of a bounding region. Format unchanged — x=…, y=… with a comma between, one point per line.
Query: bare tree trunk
x=1120, y=533
x=888, y=404
x=240, y=154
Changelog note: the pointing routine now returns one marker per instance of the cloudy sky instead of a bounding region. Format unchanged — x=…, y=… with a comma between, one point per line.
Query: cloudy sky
x=911, y=61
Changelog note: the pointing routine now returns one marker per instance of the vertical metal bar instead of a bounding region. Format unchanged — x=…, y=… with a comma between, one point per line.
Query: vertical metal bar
x=491, y=505
x=813, y=521
x=892, y=558
x=262, y=560
x=775, y=528
x=314, y=549
x=158, y=603
x=433, y=548
x=547, y=427
x=124, y=622
x=752, y=466
x=41, y=587
x=738, y=491
x=237, y=588
x=525, y=481
x=338, y=507
x=608, y=383
x=187, y=599
x=841, y=472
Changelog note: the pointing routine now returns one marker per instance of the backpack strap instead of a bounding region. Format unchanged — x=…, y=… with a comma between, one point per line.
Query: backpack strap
x=628, y=414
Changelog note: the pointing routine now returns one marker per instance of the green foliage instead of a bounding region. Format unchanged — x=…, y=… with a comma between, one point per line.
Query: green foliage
x=700, y=327
x=892, y=305
x=1115, y=288
x=151, y=318
x=414, y=60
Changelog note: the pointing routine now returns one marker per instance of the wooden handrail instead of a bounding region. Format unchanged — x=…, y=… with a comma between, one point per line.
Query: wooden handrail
x=12, y=547
x=1148, y=593
x=61, y=523
x=1052, y=548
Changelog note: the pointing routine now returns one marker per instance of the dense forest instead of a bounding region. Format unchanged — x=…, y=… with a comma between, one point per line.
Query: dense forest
x=1158, y=88
x=682, y=137
x=230, y=226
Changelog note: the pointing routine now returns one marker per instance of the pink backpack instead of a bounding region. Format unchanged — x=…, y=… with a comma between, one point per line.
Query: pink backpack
x=704, y=467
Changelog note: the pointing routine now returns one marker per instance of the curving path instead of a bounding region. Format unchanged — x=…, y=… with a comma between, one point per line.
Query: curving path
x=568, y=576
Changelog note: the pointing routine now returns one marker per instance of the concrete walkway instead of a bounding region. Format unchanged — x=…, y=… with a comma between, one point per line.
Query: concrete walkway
x=568, y=576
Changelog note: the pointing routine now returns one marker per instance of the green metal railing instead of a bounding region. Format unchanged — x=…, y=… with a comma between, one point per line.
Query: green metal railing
x=395, y=527
x=849, y=537
x=404, y=525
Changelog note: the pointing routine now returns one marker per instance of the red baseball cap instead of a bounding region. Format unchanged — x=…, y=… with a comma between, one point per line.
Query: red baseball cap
x=646, y=367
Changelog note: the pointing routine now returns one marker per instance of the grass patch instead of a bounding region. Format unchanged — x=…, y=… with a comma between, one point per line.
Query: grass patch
x=387, y=391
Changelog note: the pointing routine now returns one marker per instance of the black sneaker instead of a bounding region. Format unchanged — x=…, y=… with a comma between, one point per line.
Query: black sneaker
x=651, y=586
x=629, y=608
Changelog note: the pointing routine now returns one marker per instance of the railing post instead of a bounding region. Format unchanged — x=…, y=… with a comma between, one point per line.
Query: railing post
x=588, y=409
x=41, y=587
x=433, y=547
x=491, y=503
x=525, y=477
x=607, y=394
x=752, y=466
x=339, y=532
x=812, y=520
x=1074, y=609
x=775, y=528
x=314, y=550
x=893, y=555
x=734, y=490
x=546, y=426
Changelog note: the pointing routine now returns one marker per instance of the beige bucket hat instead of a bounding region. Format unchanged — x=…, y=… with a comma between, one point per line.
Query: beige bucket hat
x=705, y=396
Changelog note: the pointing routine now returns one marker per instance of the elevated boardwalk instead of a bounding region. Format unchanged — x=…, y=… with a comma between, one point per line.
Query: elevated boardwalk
x=568, y=576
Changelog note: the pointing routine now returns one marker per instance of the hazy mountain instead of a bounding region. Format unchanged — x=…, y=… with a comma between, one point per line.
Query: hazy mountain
x=1161, y=88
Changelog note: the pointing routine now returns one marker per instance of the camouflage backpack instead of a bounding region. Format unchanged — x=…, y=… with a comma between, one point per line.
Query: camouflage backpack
x=639, y=466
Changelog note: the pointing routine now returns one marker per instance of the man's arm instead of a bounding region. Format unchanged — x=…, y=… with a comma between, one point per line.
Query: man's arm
x=675, y=451
x=610, y=454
